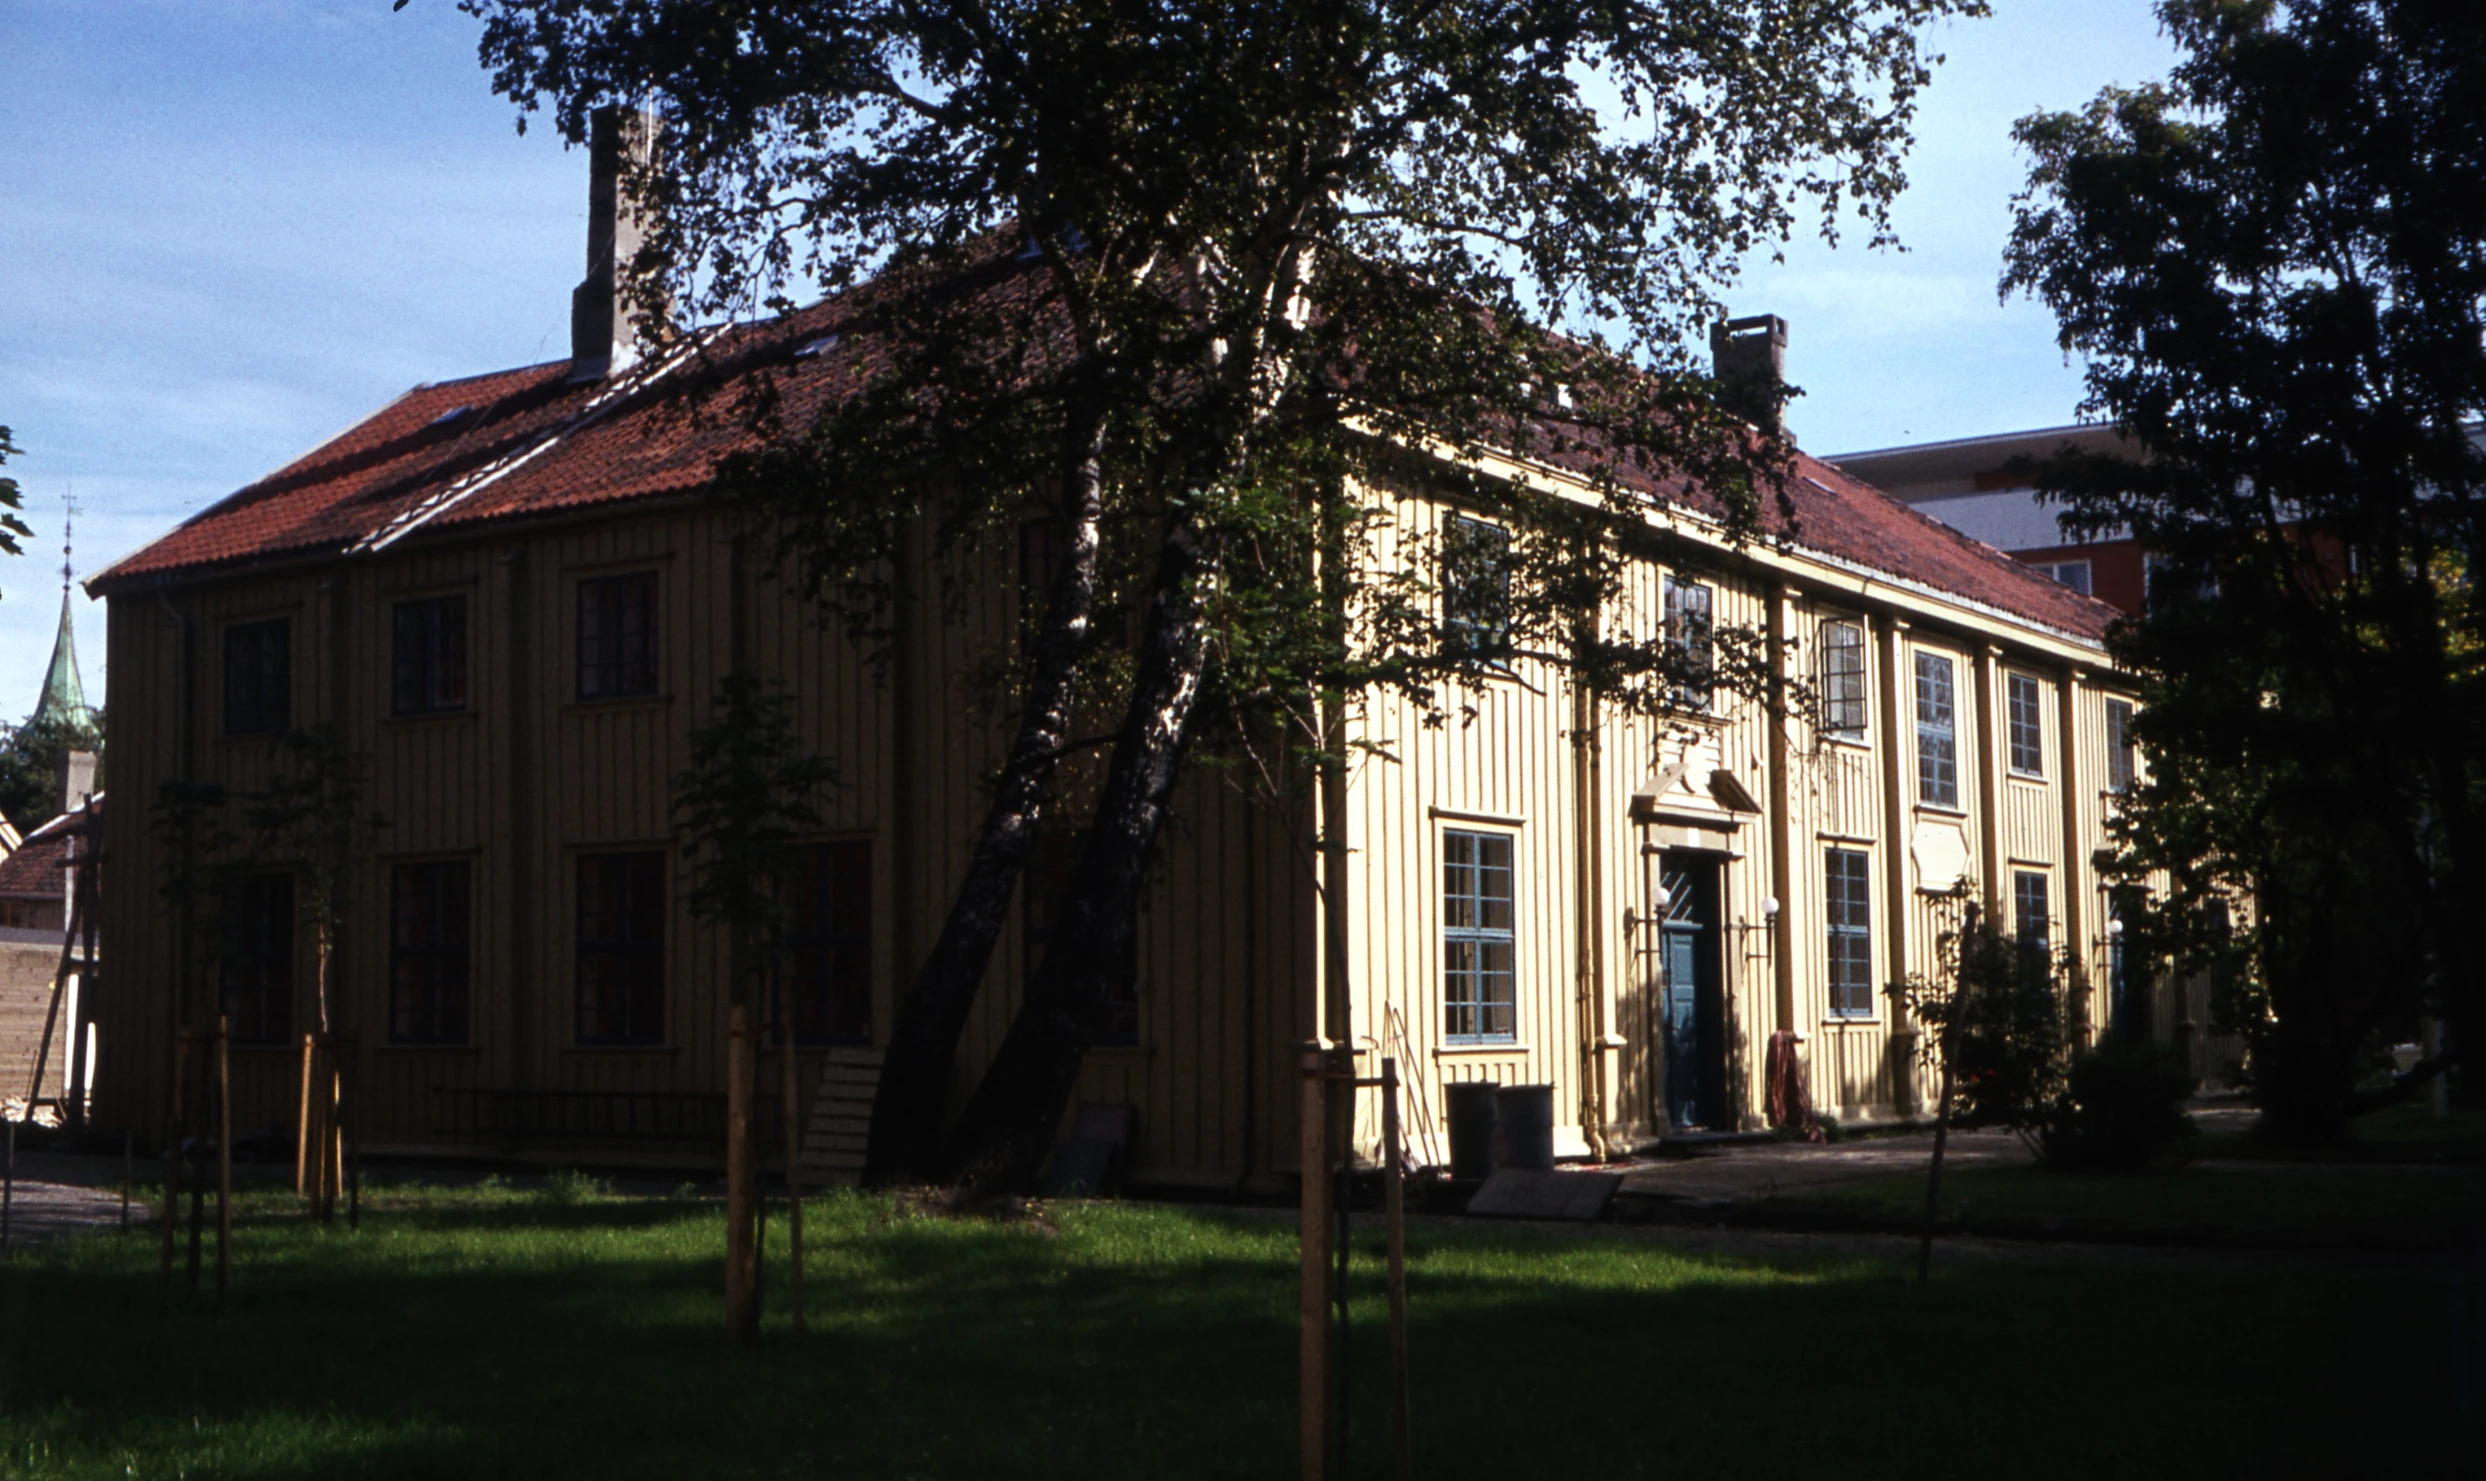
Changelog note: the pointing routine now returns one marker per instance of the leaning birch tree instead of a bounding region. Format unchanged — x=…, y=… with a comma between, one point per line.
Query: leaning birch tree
x=1184, y=279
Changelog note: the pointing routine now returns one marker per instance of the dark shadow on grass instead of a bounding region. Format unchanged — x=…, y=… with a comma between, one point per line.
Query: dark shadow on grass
x=528, y=1340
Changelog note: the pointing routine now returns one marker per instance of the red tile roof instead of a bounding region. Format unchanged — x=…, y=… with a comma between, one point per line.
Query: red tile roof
x=523, y=443
x=39, y=867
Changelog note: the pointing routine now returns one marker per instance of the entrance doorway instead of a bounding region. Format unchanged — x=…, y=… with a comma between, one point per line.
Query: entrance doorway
x=1691, y=990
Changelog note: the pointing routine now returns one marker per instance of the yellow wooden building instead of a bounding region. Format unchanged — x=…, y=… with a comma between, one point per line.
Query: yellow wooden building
x=514, y=596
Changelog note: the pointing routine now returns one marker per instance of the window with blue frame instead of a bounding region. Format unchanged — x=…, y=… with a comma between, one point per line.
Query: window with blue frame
x=1937, y=734
x=1850, y=915
x=1480, y=997
x=2028, y=731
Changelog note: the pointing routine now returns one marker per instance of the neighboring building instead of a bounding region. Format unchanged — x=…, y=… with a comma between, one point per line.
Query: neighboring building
x=1968, y=485
x=41, y=986
x=514, y=594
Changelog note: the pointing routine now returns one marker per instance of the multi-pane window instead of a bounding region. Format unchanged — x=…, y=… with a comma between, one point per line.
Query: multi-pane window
x=1689, y=643
x=621, y=948
x=1843, y=680
x=258, y=677
x=254, y=989
x=828, y=977
x=1476, y=588
x=1850, y=934
x=2074, y=574
x=1051, y=873
x=427, y=656
x=430, y=952
x=2119, y=747
x=2029, y=914
x=2027, y=724
x=617, y=635
x=1937, y=735
x=1480, y=994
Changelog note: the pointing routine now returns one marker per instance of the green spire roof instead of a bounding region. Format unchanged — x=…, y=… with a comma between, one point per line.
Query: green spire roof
x=64, y=694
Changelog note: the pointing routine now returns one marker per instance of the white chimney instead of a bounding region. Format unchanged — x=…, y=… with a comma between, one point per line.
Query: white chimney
x=603, y=340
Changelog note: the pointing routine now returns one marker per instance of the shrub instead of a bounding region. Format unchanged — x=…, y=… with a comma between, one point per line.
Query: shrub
x=564, y=1186
x=2121, y=1105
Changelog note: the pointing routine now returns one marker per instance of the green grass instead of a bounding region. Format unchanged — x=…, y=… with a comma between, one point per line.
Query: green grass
x=2403, y=1133
x=489, y=1333
x=2276, y=1206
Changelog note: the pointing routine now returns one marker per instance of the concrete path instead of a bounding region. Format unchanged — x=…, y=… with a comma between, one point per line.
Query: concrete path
x=42, y=1211
x=1736, y=1173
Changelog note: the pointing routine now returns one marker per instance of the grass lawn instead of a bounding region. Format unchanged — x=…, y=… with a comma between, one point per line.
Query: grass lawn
x=2433, y=1208
x=2402, y=1133
x=515, y=1335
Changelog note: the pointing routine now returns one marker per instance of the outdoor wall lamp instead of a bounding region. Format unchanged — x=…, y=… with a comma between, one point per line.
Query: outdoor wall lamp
x=1769, y=907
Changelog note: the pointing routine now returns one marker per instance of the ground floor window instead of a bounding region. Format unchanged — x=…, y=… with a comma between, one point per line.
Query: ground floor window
x=254, y=989
x=429, y=952
x=828, y=978
x=2029, y=924
x=1480, y=997
x=1850, y=914
x=621, y=948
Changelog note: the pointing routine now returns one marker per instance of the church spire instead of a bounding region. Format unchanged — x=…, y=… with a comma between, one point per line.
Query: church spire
x=64, y=694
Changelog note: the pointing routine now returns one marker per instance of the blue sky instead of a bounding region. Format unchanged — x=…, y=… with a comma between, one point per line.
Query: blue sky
x=231, y=228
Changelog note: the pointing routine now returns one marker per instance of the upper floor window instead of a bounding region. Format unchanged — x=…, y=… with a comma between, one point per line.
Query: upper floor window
x=829, y=971
x=1688, y=637
x=1843, y=680
x=1476, y=588
x=430, y=948
x=617, y=635
x=1480, y=984
x=427, y=656
x=1850, y=933
x=2027, y=724
x=258, y=677
x=2074, y=574
x=621, y=948
x=254, y=988
x=2119, y=745
x=1937, y=736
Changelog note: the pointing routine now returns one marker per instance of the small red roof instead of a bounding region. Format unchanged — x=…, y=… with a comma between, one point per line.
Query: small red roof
x=522, y=443
x=38, y=869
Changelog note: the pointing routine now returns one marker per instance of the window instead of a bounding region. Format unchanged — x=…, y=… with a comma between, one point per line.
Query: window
x=2029, y=922
x=429, y=946
x=1851, y=935
x=621, y=948
x=1051, y=871
x=617, y=636
x=829, y=974
x=1476, y=588
x=1843, y=679
x=1688, y=642
x=254, y=989
x=1480, y=996
x=258, y=677
x=2028, y=731
x=2074, y=574
x=2119, y=746
x=1937, y=742
x=427, y=656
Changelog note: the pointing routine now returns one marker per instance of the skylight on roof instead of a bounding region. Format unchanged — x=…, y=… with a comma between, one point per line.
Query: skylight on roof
x=451, y=415
x=819, y=347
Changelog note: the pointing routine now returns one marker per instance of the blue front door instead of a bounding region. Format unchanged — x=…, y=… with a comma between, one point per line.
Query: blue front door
x=1689, y=992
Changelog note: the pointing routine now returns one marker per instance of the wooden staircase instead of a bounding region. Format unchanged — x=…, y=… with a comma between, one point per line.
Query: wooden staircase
x=841, y=1117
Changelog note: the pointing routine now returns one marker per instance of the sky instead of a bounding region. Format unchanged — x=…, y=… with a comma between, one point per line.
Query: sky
x=230, y=229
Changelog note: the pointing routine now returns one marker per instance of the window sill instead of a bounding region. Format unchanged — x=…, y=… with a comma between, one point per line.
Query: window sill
x=1447, y=1051
x=621, y=1049
x=2029, y=778
x=428, y=1048
x=1851, y=742
x=428, y=717
x=1861, y=1020
x=1936, y=809
x=609, y=703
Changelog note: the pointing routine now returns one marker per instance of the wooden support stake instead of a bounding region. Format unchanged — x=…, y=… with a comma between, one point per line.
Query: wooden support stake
x=129, y=1174
x=198, y=1211
x=741, y=1245
x=305, y=1132
x=794, y=1180
x=8, y=1194
x=1313, y=1397
x=1394, y=1219
x=224, y=1154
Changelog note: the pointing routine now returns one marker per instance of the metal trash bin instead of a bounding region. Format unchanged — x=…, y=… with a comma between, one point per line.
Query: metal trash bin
x=1472, y=1116
x=1526, y=1115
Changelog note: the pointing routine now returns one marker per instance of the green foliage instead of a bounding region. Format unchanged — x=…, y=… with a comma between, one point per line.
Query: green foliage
x=12, y=528
x=1993, y=1014
x=743, y=806
x=30, y=758
x=2274, y=265
x=567, y=1187
x=2122, y=1104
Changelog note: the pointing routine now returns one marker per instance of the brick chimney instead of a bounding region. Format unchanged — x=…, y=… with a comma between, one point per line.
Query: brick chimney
x=602, y=338
x=1748, y=357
